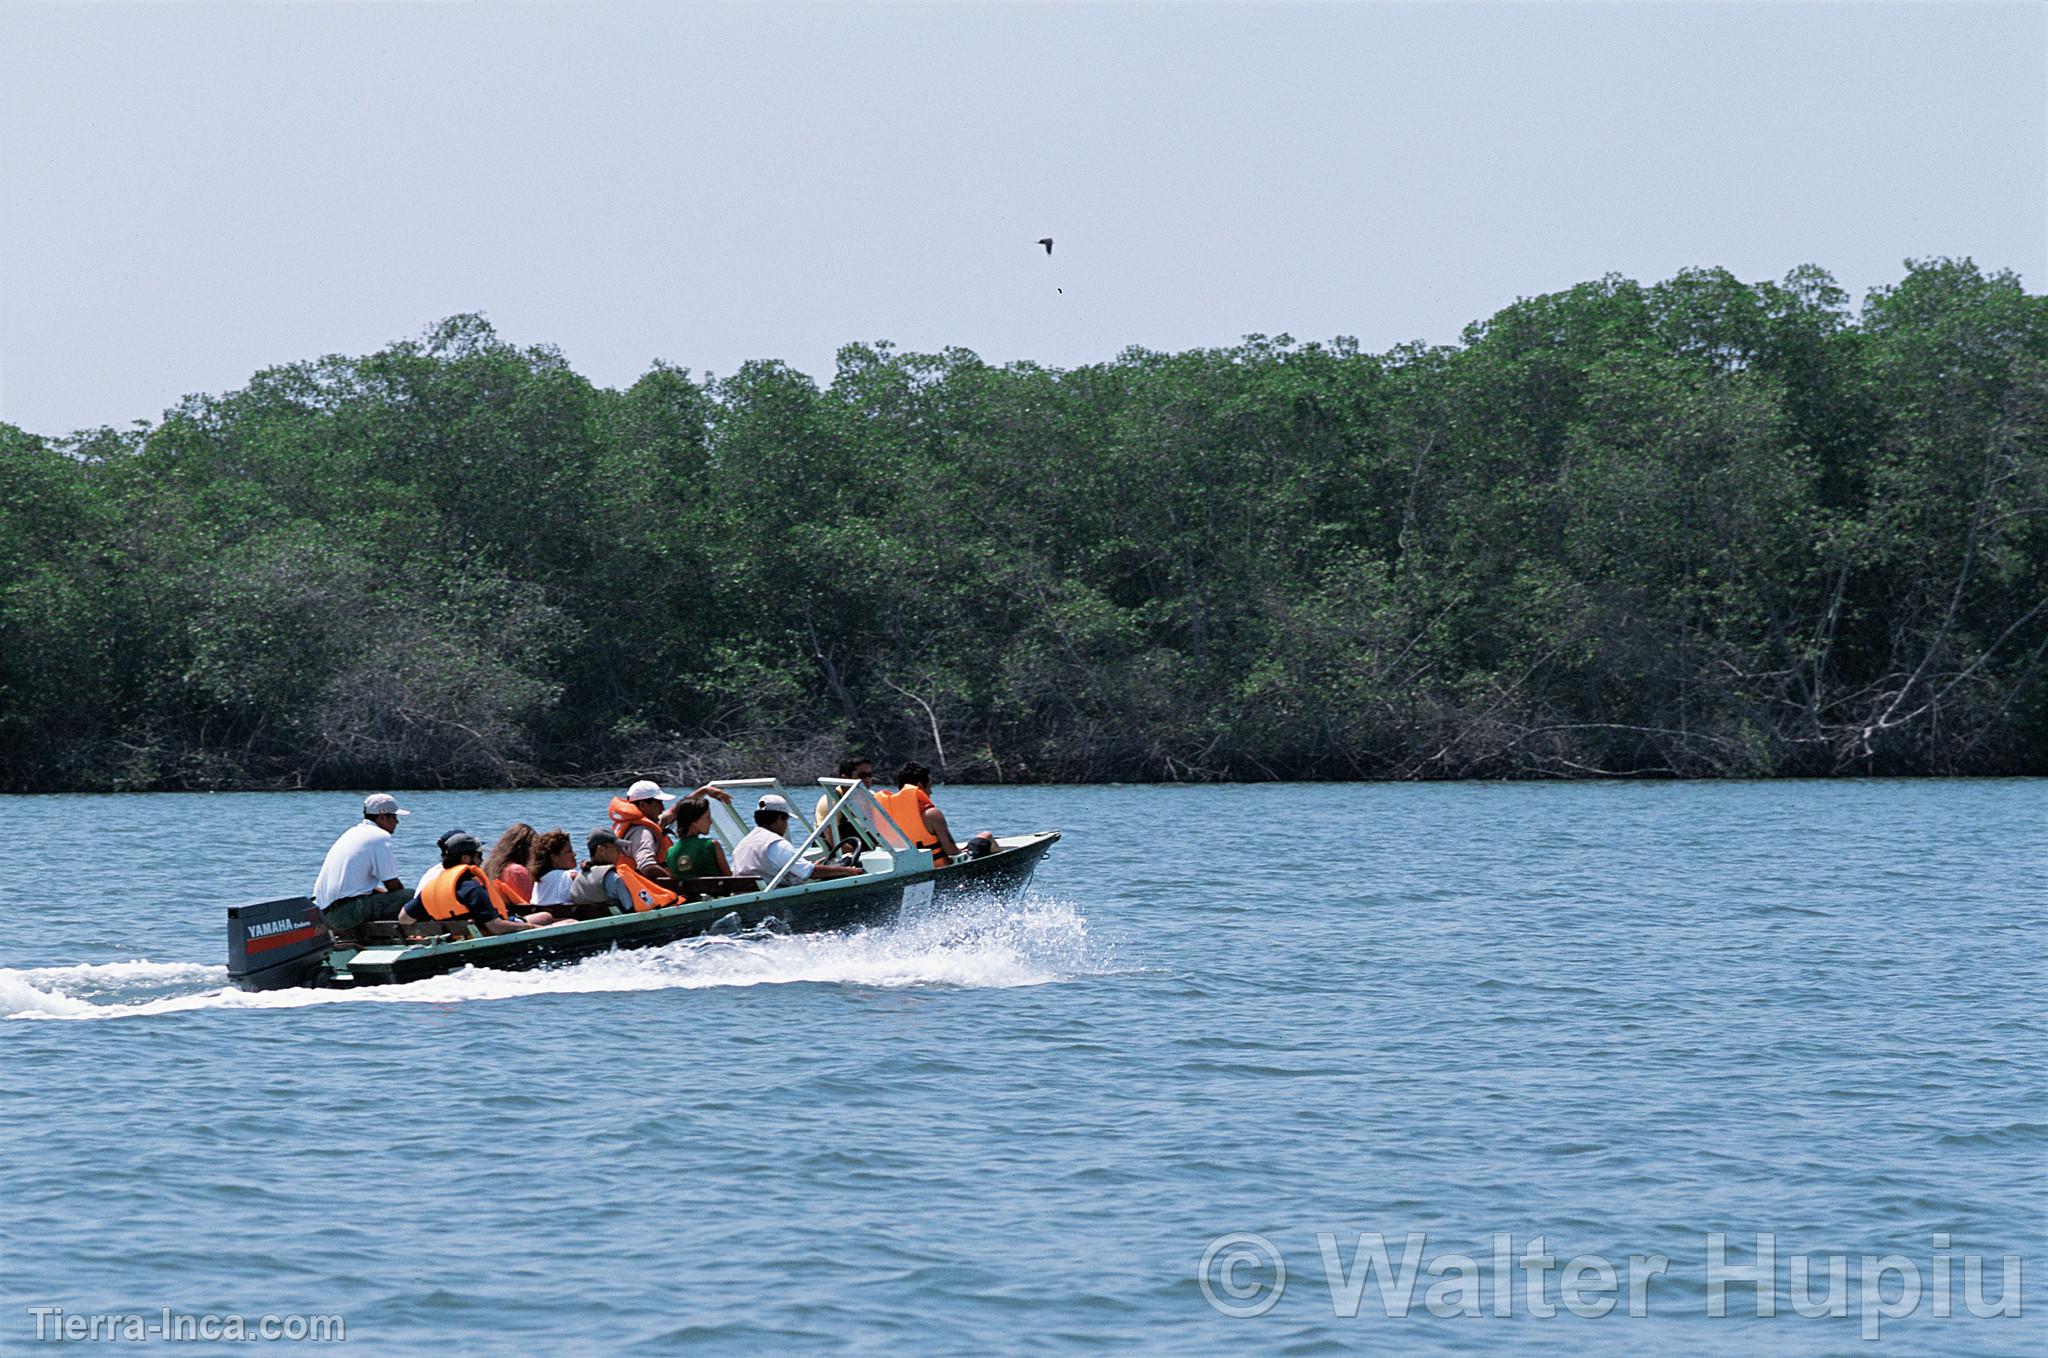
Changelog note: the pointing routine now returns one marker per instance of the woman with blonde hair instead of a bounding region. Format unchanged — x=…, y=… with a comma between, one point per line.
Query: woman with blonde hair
x=506, y=862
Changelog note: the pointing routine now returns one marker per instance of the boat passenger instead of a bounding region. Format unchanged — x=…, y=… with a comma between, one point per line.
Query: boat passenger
x=505, y=864
x=359, y=882
x=634, y=889
x=910, y=806
x=597, y=882
x=552, y=861
x=766, y=848
x=642, y=825
x=440, y=847
x=851, y=767
x=463, y=893
x=695, y=853
x=644, y=891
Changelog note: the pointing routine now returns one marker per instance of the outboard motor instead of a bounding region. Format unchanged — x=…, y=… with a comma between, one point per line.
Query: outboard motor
x=276, y=943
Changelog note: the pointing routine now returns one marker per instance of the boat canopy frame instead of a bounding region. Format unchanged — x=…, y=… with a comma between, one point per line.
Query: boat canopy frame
x=855, y=804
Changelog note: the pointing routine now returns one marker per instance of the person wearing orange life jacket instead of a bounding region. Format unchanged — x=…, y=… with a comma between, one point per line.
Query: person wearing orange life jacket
x=598, y=881
x=642, y=825
x=461, y=892
x=505, y=864
x=645, y=892
x=610, y=878
x=910, y=806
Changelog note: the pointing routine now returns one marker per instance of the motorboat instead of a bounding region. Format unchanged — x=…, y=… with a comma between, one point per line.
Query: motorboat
x=287, y=942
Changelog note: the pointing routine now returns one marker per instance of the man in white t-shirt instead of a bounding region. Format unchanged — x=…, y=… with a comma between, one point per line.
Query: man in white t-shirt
x=359, y=879
x=766, y=848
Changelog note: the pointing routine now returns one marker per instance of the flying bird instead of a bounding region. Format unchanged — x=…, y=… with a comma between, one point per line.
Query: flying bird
x=1046, y=241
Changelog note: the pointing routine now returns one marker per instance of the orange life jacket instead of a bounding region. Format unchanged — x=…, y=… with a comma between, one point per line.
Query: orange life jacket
x=903, y=807
x=646, y=894
x=626, y=816
x=437, y=898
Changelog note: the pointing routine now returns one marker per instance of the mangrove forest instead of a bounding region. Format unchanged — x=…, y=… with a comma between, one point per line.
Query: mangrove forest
x=1696, y=528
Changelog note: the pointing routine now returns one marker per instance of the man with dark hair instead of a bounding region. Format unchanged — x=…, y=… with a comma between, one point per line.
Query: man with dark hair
x=767, y=848
x=853, y=766
x=910, y=806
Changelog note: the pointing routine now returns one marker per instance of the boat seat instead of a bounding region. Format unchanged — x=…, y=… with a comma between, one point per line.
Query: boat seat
x=577, y=910
x=709, y=888
x=385, y=932
x=425, y=931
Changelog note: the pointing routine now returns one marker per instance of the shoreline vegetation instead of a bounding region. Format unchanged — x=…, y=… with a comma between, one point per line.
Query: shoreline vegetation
x=1700, y=528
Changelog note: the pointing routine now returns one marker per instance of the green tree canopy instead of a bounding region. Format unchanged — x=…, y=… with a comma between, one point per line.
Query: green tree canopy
x=1695, y=528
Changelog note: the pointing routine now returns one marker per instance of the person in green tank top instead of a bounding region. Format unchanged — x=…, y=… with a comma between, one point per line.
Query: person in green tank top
x=695, y=853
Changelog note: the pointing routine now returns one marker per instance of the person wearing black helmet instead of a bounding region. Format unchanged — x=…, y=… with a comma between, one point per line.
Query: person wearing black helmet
x=440, y=847
x=461, y=892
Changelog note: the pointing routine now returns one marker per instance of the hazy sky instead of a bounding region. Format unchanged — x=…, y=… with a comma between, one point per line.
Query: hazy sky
x=193, y=192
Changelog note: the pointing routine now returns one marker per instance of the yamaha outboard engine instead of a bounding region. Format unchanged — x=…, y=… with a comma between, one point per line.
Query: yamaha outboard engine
x=276, y=943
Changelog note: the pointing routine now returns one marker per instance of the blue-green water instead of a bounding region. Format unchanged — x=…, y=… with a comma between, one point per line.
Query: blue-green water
x=1620, y=1018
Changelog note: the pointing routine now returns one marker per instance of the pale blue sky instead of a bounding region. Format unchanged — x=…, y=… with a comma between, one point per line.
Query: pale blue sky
x=196, y=191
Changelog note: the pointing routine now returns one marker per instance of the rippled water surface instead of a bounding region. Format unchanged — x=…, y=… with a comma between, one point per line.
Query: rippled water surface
x=1616, y=1017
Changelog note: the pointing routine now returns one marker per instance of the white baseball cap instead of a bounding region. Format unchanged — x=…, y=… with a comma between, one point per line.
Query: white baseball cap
x=773, y=802
x=644, y=790
x=382, y=804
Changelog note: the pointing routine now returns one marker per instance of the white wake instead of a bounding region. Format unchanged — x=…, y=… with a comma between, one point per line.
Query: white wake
x=973, y=945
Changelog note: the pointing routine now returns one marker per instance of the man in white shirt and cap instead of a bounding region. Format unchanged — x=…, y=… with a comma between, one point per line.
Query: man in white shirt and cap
x=359, y=879
x=766, y=848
